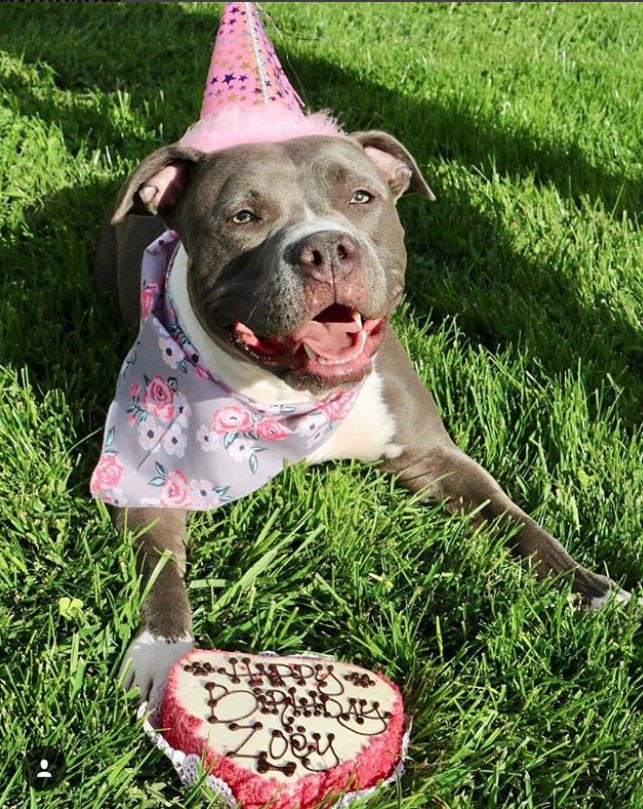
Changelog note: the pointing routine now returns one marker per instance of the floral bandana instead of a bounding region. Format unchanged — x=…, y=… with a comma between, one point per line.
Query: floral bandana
x=176, y=436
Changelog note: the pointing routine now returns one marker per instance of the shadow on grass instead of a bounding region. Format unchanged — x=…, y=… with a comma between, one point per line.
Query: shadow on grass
x=453, y=245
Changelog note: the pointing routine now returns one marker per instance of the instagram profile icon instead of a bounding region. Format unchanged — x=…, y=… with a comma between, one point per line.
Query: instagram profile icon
x=44, y=768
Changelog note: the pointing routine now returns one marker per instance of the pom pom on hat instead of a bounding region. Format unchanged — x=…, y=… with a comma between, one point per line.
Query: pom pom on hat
x=233, y=126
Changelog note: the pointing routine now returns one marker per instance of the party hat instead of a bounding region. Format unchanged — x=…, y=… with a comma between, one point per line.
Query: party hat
x=244, y=68
x=248, y=98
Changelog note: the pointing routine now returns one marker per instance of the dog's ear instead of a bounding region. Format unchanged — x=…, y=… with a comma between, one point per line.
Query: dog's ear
x=395, y=163
x=157, y=184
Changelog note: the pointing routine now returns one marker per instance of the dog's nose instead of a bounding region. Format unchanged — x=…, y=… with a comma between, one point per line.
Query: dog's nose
x=327, y=253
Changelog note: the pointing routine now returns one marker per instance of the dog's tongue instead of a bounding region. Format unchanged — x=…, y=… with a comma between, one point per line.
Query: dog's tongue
x=330, y=334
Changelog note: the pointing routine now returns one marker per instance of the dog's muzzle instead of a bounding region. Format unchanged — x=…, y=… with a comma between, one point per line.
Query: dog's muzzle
x=337, y=343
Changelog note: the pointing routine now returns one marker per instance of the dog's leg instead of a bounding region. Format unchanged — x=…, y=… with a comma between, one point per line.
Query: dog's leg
x=105, y=260
x=117, y=263
x=166, y=625
x=444, y=472
x=427, y=460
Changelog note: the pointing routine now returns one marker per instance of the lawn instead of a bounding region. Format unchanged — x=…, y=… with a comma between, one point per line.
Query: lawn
x=523, y=314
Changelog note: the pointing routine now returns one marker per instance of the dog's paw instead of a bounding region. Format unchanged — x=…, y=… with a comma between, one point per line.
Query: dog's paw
x=147, y=662
x=620, y=596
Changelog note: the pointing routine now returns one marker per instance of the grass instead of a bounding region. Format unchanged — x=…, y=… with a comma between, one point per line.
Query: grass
x=523, y=314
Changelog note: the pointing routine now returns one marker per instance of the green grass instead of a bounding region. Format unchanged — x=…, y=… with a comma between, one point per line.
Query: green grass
x=523, y=314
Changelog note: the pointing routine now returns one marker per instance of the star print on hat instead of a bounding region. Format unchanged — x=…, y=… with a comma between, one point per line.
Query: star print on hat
x=248, y=98
x=244, y=68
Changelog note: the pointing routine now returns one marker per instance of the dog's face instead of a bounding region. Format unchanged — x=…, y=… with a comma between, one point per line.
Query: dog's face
x=296, y=252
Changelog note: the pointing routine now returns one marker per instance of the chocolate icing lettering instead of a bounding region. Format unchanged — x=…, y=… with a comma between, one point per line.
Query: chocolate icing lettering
x=287, y=694
x=263, y=765
x=233, y=675
x=361, y=680
x=253, y=728
x=278, y=745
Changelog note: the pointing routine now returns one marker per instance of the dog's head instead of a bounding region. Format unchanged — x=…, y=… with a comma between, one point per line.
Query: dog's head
x=296, y=252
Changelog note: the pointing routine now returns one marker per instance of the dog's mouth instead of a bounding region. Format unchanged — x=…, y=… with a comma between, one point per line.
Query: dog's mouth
x=335, y=347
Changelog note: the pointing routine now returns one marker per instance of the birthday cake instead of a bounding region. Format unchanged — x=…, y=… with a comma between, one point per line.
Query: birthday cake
x=283, y=732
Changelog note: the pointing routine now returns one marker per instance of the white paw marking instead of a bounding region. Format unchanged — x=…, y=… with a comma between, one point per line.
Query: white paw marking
x=621, y=596
x=147, y=662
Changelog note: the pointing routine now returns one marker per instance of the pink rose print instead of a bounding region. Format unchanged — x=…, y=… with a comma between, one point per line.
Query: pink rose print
x=314, y=427
x=150, y=434
x=232, y=419
x=182, y=409
x=200, y=371
x=170, y=352
x=148, y=298
x=271, y=430
x=176, y=490
x=201, y=491
x=158, y=399
x=337, y=408
x=312, y=424
x=114, y=497
x=240, y=450
x=107, y=474
x=205, y=494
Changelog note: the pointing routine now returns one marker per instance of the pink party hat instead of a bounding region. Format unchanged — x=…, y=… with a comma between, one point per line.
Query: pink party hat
x=248, y=98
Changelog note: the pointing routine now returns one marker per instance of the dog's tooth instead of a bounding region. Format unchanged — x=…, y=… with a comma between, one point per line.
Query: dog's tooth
x=357, y=318
x=311, y=354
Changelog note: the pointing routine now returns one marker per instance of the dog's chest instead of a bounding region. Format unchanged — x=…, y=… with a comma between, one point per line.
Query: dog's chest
x=367, y=432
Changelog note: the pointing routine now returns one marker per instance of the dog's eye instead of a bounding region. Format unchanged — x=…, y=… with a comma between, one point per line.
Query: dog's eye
x=360, y=197
x=243, y=217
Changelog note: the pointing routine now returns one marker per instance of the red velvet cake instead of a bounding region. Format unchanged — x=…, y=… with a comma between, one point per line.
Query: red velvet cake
x=283, y=731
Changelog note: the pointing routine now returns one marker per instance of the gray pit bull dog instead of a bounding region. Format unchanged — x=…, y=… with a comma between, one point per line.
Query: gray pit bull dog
x=278, y=237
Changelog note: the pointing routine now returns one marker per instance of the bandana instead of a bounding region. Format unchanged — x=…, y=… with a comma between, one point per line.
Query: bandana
x=178, y=437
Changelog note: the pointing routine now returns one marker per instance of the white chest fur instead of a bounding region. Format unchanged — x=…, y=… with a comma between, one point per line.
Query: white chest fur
x=367, y=432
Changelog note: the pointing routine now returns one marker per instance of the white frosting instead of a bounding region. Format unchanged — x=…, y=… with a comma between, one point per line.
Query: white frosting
x=288, y=716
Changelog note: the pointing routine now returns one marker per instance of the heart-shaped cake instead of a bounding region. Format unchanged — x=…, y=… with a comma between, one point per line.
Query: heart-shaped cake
x=283, y=731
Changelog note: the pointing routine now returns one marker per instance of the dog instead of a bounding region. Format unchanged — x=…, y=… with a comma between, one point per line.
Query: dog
x=276, y=237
